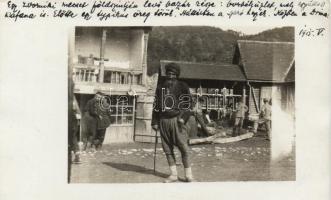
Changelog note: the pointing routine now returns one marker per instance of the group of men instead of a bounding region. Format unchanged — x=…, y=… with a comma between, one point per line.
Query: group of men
x=170, y=117
x=264, y=117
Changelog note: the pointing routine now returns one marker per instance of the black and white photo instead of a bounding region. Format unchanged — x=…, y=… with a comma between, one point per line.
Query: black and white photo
x=181, y=104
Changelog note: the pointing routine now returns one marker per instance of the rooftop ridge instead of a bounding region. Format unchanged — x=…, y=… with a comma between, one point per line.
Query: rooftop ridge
x=198, y=63
x=264, y=42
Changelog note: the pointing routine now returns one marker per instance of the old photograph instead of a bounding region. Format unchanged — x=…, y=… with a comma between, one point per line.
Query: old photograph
x=174, y=99
x=181, y=104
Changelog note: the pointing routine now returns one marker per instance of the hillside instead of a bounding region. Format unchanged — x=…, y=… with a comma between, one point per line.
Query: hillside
x=202, y=44
x=284, y=34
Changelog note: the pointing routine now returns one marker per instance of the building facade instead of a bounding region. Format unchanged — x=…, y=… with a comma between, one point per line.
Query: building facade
x=269, y=68
x=259, y=70
x=111, y=60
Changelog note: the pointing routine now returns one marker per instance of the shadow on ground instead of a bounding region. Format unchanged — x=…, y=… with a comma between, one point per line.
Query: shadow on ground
x=134, y=168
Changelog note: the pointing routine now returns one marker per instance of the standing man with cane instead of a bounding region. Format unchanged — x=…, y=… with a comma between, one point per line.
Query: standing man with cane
x=172, y=100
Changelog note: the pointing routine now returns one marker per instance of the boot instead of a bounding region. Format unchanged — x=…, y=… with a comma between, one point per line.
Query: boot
x=173, y=175
x=77, y=158
x=239, y=131
x=188, y=175
x=234, y=132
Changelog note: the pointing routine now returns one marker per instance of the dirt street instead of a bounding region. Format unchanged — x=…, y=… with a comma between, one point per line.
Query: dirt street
x=247, y=160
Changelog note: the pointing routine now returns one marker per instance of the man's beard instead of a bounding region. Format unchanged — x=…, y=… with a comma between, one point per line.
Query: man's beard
x=169, y=83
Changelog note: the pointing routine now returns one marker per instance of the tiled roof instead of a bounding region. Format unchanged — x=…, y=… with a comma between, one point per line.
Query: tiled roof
x=266, y=61
x=189, y=70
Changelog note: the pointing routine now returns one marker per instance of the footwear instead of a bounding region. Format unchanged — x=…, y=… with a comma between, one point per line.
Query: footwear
x=189, y=179
x=171, y=179
x=173, y=175
x=239, y=131
x=98, y=147
x=188, y=175
x=92, y=149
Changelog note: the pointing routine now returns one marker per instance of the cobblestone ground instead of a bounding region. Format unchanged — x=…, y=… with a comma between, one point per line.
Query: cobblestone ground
x=247, y=160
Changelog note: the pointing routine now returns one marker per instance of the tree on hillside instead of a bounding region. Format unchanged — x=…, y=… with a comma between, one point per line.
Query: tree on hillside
x=202, y=44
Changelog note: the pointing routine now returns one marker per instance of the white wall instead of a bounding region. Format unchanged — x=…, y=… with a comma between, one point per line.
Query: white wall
x=88, y=41
x=123, y=48
x=117, y=48
x=137, y=49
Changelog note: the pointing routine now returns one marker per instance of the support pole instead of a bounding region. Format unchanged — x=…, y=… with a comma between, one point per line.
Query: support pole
x=144, y=64
x=102, y=55
x=244, y=94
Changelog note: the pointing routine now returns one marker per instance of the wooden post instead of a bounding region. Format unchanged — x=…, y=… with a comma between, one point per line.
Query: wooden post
x=112, y=79
x=250, y=94
x=102, y=55
x=244, y=94
x=84, y=75
x=134, y=117
x=255, y=102
x=79, y=75
x=144, y=64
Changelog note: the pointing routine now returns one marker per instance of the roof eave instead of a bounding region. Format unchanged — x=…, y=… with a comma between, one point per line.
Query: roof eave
x=267, y=81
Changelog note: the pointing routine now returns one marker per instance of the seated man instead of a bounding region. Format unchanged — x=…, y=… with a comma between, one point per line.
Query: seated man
x=196, y=134
x=198, y=129
x=205, y=127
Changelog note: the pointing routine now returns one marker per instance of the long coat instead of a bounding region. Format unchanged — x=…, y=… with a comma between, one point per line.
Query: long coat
x=96, y=115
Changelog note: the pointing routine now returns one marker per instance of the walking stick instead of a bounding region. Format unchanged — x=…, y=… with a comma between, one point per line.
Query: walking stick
x=155, y=150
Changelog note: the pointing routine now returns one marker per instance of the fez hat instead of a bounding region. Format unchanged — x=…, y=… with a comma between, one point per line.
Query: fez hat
x=173, y=67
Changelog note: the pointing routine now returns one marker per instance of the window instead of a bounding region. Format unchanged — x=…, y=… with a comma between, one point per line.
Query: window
x=122, y=110
x=123, y=78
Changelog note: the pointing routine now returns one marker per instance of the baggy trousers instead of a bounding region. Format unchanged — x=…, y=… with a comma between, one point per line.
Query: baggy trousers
x=174, y=135
x=89, y=129
x=100, y=137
